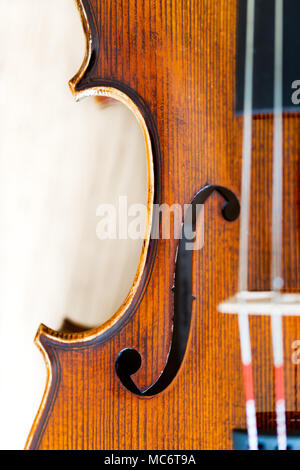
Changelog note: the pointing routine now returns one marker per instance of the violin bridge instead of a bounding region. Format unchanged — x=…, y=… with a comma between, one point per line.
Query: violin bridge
x=262, y=303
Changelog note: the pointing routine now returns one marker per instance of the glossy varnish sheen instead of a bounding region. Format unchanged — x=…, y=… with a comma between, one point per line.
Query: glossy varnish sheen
x=176, y=60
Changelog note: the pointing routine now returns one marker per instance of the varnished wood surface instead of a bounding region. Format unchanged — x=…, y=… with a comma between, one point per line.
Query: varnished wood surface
x=178, y=58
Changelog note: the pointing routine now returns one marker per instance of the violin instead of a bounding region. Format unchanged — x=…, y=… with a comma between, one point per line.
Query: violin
x=204, y=352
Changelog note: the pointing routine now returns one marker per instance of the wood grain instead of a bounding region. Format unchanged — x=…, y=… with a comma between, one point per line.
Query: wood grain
x=176, y=61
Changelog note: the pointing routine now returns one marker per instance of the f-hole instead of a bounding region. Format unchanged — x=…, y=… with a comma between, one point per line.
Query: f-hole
x=129, y=360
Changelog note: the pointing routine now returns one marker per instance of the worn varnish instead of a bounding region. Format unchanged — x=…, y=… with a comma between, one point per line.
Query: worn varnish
x=176, y=61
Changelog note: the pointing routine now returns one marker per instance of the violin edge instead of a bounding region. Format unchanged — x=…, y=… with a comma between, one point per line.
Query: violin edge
x=141, y=276
x=142, y=273
x=87, y=32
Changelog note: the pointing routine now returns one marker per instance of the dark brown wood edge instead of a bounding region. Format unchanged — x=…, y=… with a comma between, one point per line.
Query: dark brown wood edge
x=46, y=338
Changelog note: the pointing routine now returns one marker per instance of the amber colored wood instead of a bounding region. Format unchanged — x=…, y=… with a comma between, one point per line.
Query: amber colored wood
x=176, y=60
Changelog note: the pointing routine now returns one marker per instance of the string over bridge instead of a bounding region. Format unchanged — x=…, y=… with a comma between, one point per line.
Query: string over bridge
x=262, y=303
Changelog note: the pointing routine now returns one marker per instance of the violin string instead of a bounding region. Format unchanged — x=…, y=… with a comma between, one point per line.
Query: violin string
x=248, y=381
x=244, y=230
x=277, y=343
x=277, y=281
x=247, y=150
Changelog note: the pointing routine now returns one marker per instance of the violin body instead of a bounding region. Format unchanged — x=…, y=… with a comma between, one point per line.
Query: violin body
x=174, y=62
